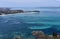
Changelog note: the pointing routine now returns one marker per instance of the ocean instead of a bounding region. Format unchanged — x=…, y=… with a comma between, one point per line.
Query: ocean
x=47, y=20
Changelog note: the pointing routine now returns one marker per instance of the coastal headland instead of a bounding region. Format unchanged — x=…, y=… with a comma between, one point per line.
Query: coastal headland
x=9, y=11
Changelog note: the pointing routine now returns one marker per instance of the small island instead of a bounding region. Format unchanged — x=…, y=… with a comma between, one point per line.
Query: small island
x=9, y=11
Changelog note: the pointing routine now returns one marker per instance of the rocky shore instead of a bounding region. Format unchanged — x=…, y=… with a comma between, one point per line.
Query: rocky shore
x=39, y=35
x=9, y=11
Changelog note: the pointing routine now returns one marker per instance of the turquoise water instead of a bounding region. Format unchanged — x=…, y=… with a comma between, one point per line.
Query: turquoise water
x=48, y=21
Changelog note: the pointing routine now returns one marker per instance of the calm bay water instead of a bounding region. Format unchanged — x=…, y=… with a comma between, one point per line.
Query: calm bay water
x=48, y=21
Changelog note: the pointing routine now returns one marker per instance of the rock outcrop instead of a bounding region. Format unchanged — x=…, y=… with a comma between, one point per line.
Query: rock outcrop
x=34, y=11
x=8, y=11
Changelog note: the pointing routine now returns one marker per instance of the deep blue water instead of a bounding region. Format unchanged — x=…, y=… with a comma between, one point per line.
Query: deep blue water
x=48, y=21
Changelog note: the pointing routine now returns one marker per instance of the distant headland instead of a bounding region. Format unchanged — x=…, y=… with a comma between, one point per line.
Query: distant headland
x=9, y=11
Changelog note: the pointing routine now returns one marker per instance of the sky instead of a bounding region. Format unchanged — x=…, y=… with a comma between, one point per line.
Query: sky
x=29, y=3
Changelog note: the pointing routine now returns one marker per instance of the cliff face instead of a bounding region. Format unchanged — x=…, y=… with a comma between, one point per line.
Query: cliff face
x=16, y=11
x=10, y=11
